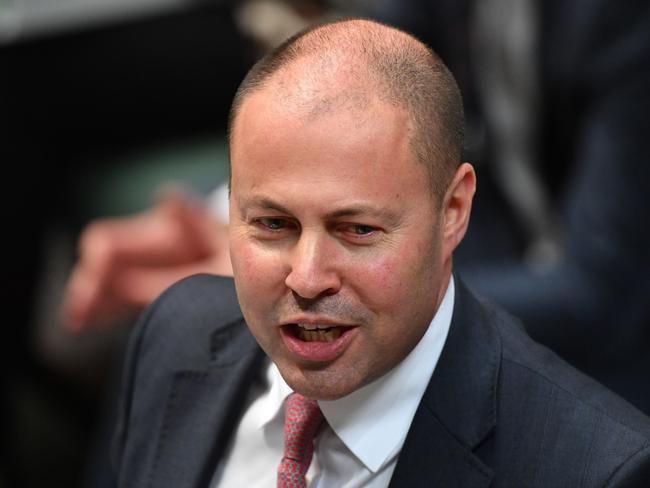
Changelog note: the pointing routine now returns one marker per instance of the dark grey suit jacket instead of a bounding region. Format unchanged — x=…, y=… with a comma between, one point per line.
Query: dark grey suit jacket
x=500, y=410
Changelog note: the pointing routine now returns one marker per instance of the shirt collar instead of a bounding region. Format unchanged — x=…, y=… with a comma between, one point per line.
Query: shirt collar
x=373, y=421
x=274, y=399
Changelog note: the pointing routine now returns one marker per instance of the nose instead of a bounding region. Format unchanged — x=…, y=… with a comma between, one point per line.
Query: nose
x=313, y=268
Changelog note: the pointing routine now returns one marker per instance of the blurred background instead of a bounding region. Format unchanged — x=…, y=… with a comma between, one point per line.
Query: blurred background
x=106, y=103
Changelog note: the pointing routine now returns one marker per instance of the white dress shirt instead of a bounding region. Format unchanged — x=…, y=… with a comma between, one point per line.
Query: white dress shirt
x=365, y=430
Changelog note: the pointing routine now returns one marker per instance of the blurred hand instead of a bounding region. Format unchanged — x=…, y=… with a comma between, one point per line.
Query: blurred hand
x=125, y=263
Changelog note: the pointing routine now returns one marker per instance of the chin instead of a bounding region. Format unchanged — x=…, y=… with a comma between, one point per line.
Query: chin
x=319, y=385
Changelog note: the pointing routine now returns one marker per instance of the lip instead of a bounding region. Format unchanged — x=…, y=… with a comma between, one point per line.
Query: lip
x=317, y=351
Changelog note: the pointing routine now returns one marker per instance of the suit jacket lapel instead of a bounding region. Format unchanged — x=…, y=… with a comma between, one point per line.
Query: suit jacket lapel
x=203, y=409
x=458, y=410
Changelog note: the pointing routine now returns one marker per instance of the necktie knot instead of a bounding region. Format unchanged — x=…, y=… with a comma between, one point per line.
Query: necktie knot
x=302, y=419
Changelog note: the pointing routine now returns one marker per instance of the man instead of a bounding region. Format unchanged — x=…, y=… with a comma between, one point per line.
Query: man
x=348, y=198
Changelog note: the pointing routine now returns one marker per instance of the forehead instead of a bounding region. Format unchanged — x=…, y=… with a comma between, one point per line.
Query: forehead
x=302, y=96
x=335, y=119
x=354, y=153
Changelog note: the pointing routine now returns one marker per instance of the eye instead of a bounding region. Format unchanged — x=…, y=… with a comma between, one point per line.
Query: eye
x=358, y=231
x=361, y=230
x=274, y=223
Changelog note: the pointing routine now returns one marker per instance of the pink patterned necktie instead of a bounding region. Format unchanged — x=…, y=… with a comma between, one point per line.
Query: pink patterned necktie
x=302, y=418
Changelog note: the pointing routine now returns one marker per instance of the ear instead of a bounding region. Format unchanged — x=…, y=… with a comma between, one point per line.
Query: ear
x=457, y=207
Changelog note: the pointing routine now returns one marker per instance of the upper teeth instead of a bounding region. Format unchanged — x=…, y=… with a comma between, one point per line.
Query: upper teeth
x=314, y=326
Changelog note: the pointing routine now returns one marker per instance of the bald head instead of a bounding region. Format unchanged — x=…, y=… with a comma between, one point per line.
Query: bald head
x=347, y=65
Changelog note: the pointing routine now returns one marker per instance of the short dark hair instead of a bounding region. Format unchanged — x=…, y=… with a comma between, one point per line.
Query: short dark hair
x=403, y=70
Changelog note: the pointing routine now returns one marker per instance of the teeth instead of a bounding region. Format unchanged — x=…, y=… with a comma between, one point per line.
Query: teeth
x=314, y=326
x=318, y=334
x=307, y=326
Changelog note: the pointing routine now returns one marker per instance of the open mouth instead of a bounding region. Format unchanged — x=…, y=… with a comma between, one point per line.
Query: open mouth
x=317, y=332
x=311, y=343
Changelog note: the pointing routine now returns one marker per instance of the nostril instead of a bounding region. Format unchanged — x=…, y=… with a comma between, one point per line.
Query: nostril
x=308, y=288
x=310, y=303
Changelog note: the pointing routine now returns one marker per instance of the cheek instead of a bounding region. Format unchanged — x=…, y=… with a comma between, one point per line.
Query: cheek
x=245, y=260
x=385, y=276
x=255, y=290
x=253, y=267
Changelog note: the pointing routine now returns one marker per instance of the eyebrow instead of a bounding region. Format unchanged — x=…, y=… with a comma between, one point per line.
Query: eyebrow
x=356, y=210
x=266, y=203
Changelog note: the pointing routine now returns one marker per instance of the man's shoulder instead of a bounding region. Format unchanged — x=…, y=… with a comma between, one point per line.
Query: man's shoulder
x=561, y=414
x=189, y=352
x=525, y=361
x=201, y=298
x=182, y=325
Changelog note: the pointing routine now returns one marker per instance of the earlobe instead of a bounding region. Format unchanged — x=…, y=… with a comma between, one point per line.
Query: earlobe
x=458, y=205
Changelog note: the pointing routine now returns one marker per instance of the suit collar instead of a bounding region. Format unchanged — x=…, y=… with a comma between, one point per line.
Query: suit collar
x=462, y=391
x=458, y=409
x=203, y=409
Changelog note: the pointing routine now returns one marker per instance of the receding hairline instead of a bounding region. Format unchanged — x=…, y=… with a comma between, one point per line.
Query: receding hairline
x=393, y=65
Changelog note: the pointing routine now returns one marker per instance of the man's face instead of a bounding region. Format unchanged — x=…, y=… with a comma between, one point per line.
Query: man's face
x=335, y=241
